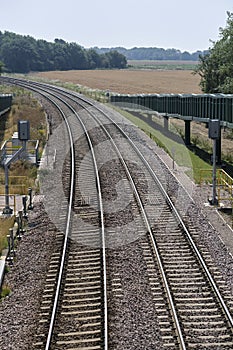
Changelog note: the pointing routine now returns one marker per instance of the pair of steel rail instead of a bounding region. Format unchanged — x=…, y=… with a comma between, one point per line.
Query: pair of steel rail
x=45, y=90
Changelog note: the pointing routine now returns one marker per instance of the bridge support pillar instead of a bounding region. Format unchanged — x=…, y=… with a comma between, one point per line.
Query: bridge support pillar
x=150, y=117
x=187, y=132
x=166, y=120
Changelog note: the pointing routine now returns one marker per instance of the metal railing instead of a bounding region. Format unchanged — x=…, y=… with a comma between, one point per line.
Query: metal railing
x=32, y=150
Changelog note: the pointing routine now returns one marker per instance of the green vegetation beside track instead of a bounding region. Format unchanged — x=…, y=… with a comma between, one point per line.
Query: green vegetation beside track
x=177, y=150
x=22, y=174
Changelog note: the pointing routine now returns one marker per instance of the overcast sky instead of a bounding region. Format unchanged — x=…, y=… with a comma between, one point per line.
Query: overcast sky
x=181, y=24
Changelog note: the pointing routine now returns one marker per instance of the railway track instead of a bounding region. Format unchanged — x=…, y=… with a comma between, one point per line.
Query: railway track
x=133, y=275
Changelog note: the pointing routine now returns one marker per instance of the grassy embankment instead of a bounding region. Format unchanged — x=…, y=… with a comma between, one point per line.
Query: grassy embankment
x=22, y=174
x=177, y=150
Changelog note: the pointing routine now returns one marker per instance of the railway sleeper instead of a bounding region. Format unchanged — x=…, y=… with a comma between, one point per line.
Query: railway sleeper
x=82, y=312
x=83, y=274
x=217, y=345
x=211, y=333
x=81, y=341
x=92, y=306
x=79, y=333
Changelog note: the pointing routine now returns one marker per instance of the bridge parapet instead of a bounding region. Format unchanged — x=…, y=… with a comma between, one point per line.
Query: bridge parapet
x=197, y=107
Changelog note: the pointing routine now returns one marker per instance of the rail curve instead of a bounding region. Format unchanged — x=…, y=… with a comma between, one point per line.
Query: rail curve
x=191, y=312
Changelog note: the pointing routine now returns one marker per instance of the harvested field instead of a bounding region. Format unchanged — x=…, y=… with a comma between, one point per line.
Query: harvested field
x=143, y=81
x=131, y=81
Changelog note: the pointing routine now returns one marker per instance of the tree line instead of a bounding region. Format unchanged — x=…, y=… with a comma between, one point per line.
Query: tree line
x=216, y=67
x=153, y=53
x=22, y=54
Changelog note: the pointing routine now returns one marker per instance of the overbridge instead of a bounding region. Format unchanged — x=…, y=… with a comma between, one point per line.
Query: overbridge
x=5, y=103
x=188, y=107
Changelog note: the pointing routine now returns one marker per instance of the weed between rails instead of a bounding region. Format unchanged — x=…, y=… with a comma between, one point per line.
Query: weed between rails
x=4, y=292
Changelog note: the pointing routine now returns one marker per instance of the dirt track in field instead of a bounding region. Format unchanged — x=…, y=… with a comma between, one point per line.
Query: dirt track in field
x=131, y=81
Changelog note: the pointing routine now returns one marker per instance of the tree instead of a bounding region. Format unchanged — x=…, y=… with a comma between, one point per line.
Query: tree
x=23, y=54
x=18, y=53
x=94, y=59
x=216, y=67
x=115, y=59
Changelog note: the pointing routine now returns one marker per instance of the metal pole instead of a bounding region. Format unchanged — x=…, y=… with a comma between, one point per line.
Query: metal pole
x=9, y=257
x=24, y=200
x=30, y=206
x=14, y=204
x=6, y=187
x=21, y=230
x=214, y=198
x=17, y=155
x=7, y=210
x=11, y=233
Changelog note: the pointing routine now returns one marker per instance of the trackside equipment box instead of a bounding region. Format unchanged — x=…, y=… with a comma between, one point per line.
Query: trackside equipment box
x=214, y=128
x=23, y=130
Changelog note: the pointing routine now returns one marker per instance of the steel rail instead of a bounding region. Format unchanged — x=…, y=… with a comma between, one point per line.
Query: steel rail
x=64, y=250
x=172, y=206
x=173, y=209
x=101, y=214
x=178, y=218
x=181, y=222
x=176, y=215
x=102, y=230
x=171, y=302
x=102, y=224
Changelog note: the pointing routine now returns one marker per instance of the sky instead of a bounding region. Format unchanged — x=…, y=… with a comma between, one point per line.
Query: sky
x=180, y=24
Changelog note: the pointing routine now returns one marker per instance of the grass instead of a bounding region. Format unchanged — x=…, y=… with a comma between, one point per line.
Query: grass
x=5, y=225
x=200, y=139
x=22, y=174
x=182, y=156
x=5, y=291
x=24, y=107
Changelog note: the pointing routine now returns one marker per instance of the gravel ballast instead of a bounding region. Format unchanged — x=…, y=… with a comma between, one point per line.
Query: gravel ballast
x=19, y=312
x=26, y=278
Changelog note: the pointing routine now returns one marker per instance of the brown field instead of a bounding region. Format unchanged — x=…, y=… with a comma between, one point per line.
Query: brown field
x=142, y=81
x=131, y=81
